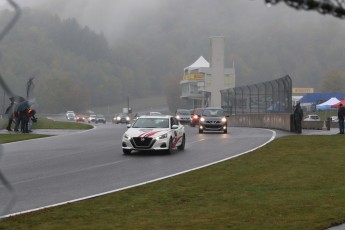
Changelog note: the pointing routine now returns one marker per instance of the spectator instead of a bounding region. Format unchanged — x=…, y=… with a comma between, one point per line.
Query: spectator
x=341, y=115
x=298, y=116
x=32, y=118
x=9, y=113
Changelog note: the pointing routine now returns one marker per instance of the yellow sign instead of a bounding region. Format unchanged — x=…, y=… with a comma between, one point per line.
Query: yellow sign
x=302, y=90
x=193, y=77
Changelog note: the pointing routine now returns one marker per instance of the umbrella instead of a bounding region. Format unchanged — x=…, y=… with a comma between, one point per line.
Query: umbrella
x=23, y=106
x=337, y=104
x=17, y=99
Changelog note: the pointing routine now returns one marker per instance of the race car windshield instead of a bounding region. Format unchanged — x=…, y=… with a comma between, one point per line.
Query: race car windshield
x=183, y=112
x=213, y=112
x=151, y=123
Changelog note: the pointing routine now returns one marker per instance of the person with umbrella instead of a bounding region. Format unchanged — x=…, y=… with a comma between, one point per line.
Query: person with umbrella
x=9, y=113
x=23, y=113
x=17, y=101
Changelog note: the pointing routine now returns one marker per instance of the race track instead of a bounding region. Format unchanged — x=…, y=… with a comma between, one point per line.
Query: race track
x=63, y=168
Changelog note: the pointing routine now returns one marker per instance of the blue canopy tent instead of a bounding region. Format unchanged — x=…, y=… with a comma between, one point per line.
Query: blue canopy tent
x=317, y=98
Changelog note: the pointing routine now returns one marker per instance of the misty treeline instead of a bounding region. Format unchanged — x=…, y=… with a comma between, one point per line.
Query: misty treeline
x=73, y=67
x=77, y=68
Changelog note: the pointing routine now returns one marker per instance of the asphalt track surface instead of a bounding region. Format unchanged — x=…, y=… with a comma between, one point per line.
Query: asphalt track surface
x=77, y=165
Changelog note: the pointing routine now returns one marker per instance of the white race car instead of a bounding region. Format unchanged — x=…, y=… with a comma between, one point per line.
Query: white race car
x=154, y=133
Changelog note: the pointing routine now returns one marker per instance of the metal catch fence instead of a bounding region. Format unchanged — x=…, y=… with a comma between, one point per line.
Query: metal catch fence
x=266, y=97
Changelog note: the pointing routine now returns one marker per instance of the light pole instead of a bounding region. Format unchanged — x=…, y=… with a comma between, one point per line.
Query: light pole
x=128, y=104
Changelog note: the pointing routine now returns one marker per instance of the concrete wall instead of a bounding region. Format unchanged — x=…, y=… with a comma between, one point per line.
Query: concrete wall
x=270, y=120
x=318, y=125
x=282, y=121
x=334, y=124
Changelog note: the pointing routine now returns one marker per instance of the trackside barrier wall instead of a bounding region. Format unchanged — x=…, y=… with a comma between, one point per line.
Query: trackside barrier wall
x=280, y=121
x=318, y=125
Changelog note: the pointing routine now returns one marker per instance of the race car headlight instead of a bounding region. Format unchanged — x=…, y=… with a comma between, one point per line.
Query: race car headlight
x=164, y=136
x=202, y=119
x=125, y=136
x=127, y=118
x=177, y=117
x=223, y=119
x=118, y=118
x=195, y=117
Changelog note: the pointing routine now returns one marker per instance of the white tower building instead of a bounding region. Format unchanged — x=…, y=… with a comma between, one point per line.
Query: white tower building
x=202, y=81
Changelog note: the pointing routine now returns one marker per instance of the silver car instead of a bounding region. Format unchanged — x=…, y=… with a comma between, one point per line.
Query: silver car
x=70, y=115
x=312, y=117
x=213, y=119
x=183, y=115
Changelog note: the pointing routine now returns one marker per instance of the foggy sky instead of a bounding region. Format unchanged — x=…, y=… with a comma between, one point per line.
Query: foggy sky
x=246, y=24
x=115, y=18
x=110, y=17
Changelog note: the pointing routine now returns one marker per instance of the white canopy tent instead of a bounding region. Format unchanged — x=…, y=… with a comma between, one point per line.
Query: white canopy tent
x=201, y=62
x=327, y=104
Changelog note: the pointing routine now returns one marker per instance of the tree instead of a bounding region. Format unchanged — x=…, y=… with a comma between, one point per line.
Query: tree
x=173, y=93
x=61, y=94
x=334, y=81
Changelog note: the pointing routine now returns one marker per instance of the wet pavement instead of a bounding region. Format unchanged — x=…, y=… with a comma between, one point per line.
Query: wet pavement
x=280, y=133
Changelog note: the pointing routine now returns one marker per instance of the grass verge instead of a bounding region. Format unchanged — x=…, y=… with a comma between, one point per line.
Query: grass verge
x=295, y=182
x=43, y=123
x=7, y=138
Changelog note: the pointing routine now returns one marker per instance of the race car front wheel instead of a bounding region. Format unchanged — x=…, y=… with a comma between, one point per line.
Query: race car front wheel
x=181, y=147
x=169, y=150
x=126, y=151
